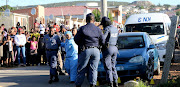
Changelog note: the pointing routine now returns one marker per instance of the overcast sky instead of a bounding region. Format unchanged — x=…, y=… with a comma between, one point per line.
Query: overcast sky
x=38, y=2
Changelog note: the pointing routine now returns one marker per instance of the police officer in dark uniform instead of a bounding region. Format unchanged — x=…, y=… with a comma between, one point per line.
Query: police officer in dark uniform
x=110, y=51
x=52, y=43
x=88, y=39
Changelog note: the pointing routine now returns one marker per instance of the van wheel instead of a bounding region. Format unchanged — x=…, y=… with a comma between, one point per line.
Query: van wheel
x=158, y=71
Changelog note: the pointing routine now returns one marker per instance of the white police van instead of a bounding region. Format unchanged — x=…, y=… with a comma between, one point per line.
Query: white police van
x=155, y=24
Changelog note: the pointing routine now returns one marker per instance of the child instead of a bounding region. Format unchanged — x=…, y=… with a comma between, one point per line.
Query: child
x=33, y=50
x=8, y=49
x=71, y=56
x=41, y=49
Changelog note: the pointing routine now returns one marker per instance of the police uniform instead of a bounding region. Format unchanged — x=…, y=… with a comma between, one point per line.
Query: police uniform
x=88, y=37
x=110, y=52
x=52, y=44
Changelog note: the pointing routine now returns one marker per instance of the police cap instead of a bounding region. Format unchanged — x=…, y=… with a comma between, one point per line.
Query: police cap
x=105, y=21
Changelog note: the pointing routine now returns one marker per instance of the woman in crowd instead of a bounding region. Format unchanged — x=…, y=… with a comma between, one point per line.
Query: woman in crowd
x=71, y=56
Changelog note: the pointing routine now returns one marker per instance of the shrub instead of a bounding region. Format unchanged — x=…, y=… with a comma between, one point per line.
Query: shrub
x=173, y=81
x=142, y=84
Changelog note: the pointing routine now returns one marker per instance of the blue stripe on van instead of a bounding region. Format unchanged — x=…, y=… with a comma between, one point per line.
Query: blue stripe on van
x=160, y=37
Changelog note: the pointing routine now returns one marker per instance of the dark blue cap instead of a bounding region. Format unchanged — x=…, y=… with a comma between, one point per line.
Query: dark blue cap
x=89, y=15
x=105, y=20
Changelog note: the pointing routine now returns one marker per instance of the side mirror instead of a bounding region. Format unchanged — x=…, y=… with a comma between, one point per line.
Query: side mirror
x=152, y=46
x=168, y=32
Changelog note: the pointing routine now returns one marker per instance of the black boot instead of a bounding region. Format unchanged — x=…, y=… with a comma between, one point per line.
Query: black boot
x=56, y=79
x=50, y=81
x=78, y=86
x=60, y=72
x=110, y=84
x=91, y=85
x=115, y=84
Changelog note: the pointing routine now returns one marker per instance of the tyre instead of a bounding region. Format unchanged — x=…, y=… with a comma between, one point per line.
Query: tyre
x=158, y=71
x=149, y=72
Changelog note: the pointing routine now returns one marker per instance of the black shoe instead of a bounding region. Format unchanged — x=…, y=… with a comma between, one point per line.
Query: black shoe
x=50, y=81
x=24, y=65
x=56, y=80
x=116, y=84
x=72, y=82
x=27, y=64
x=61, y=73
x=78, y=86
x=110, y=84
x=91, y=85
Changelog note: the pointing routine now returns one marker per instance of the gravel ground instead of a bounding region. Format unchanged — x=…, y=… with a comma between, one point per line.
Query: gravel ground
x=174, y=68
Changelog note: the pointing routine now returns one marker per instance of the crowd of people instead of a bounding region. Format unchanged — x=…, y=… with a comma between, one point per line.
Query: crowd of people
x=78, y=49
x=17, y=45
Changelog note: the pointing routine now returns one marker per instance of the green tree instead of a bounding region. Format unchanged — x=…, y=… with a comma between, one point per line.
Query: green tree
x=110, y=16
x=152, y=6
x=159, y=5
x=97, y=15
x=178, y=13
x=178, y=7
x=166, y=6
x=3, y=8
x=141, y=7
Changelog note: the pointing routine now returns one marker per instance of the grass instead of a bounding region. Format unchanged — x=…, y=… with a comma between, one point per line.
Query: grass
x=142, y=84
x=173, y=81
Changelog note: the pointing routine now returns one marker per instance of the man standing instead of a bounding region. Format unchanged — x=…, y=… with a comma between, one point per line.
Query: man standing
x=110, y=51
x=63, y=39
x=1, y=45
x=20, y=41
x=36, y=26
x=52, y=43
x=88, y=39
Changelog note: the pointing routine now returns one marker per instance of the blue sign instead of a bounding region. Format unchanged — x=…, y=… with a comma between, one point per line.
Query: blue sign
x=144, y=19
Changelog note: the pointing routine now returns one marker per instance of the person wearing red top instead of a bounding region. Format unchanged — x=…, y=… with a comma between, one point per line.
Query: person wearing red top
x=57, y=27
x=178, y=26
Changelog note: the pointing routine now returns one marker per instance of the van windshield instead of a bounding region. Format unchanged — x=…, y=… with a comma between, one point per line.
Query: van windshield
x=150, y=28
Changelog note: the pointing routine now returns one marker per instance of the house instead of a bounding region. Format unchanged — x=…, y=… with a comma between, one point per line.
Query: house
x=12, y=19
x=39, y=15
x=69, y=15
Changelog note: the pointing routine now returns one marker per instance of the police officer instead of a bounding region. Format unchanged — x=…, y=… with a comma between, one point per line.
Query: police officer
x=52, y=43
x=88, y=39
x=110, y=51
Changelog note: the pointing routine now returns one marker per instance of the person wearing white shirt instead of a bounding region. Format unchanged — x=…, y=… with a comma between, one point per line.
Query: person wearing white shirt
x=41, y=26
x=20, y=41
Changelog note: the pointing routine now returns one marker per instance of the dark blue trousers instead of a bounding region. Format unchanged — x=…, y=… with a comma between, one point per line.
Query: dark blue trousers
x=52, y=59
x=88, y=63
x=109, y=61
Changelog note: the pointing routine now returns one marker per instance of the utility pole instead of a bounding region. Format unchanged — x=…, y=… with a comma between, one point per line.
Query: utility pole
x=6, y=4
x=169, y=49
x=103, y=8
